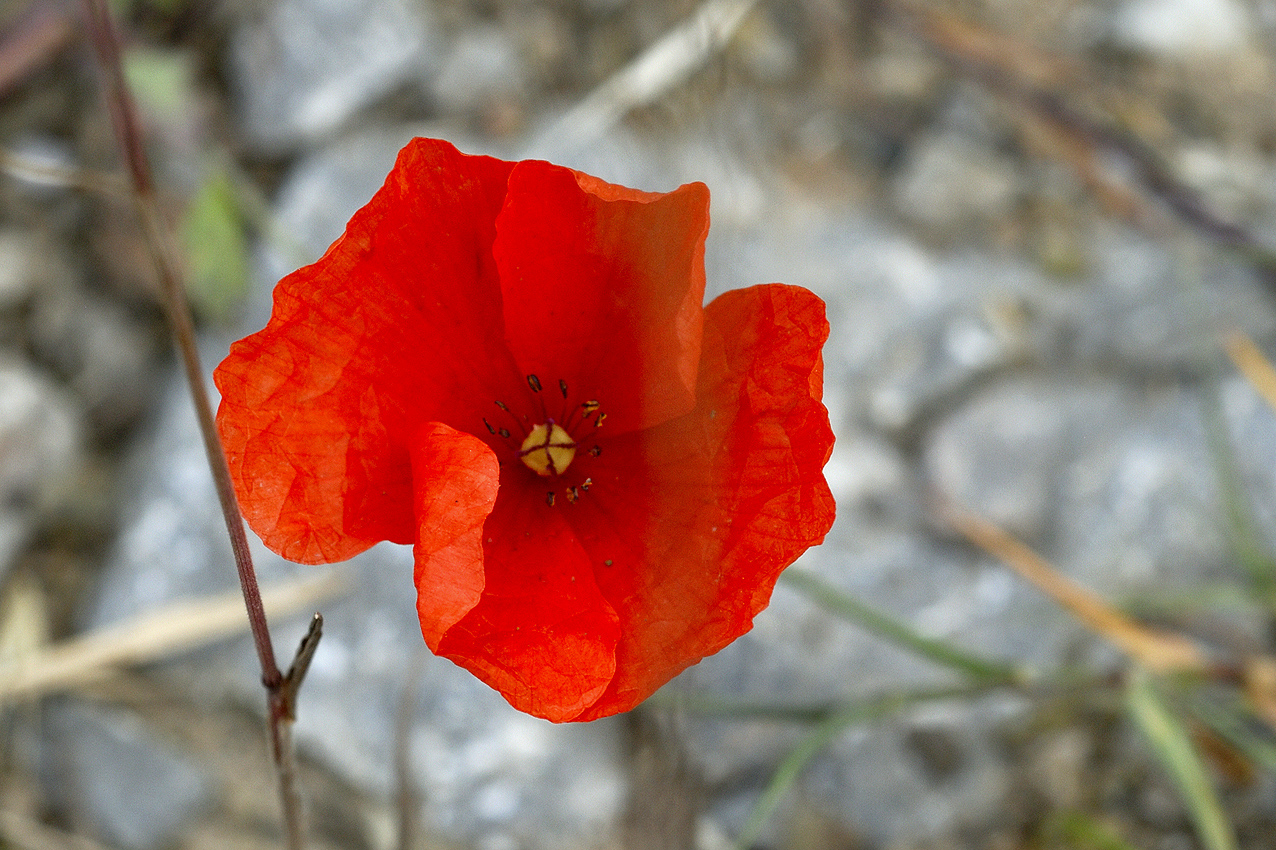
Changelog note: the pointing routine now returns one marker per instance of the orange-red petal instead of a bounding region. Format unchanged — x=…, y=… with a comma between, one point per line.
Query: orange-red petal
x=689, y=525
x=603, y=288
x=455, y=479
x=398, y=323
x=542, y=634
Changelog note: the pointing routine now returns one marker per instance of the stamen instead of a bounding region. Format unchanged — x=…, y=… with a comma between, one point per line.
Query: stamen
x=586, y=484
x=595, y=451
x=598, y=422
x=589, y=407
x=549, y=498
x=490, y=429
x=504, y=432
x=534, y=382
x=502, y=406
x=562, y=386
x=573, y=493
x=548, y=449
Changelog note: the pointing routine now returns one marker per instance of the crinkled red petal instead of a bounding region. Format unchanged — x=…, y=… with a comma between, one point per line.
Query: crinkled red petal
x=603, y=287
x=398, y=323
x=542, y=634
x=456, y=477
x=689, y=525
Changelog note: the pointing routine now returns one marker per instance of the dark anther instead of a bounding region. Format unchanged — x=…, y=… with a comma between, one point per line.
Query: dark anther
x=504, y=432
x=490, y=429
x=586, y=484
x=534, y=382
x=549, y=498
x=562, y=387
x=573, y=494
x=599, y=421
x=502, y=406
x=589, y=406
x=595, y=451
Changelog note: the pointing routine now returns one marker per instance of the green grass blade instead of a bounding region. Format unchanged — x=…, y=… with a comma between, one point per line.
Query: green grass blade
x=825, y=733
x=888, y=628
x=1247, y=543
x=1082, y=832
x=1173, y=747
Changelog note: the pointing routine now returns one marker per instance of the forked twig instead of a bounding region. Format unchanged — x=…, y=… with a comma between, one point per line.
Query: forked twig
x=280, y=692
x=981, y=56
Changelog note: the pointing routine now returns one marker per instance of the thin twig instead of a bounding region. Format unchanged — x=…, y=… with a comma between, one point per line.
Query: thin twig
x=128, y=134
x=949, y=40
x=1159, y=651
x=660, y=67
x=43, y=173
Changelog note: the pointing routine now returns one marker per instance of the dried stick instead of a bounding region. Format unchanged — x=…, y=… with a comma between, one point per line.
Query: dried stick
x=280, y=690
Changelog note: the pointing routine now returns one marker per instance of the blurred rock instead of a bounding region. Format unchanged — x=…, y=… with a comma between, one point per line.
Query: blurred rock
x=40, y=451
x=136, y=790
x=952, y=183
x=306, y=66
x=1155, y=309
x=1115, y=486
x=105, y=353
x=1004, y=454
x=480, y=66
x=1176, y=28
x=19, y=267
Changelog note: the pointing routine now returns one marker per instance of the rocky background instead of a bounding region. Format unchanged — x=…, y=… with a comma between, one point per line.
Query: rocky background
x=1035, y=225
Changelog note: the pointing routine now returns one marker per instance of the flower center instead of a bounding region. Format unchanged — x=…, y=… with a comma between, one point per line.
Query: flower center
x=548, y=449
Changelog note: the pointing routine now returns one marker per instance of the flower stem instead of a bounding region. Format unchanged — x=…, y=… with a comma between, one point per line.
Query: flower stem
x=280, y=690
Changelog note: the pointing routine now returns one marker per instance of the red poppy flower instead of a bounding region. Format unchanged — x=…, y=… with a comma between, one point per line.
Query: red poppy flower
x=508, y=365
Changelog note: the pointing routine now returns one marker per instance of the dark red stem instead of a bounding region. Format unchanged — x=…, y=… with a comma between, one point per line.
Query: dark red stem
x=281, y=693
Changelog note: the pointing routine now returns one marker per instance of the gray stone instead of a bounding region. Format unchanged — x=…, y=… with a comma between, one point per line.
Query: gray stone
x=19, y=267
x=1156, y=309
x=951, y=182
x=40, y=453
x=137, y=791
x=1177, y=28
x=105, y=353
x=480, y=65
x=306, y=66
x=1116, y=485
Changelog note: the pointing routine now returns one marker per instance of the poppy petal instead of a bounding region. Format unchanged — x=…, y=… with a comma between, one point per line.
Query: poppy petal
x=455, y=479
x=602, y=288
x=378, y=333
x=690, y=524
x=542, y=634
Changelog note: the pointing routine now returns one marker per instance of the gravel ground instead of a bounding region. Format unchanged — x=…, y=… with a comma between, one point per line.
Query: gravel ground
x=1035, y=225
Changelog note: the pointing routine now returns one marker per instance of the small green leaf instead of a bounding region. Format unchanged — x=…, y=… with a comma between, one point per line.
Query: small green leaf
x=163, y=81
x=216, y=249
x=1173, y=747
